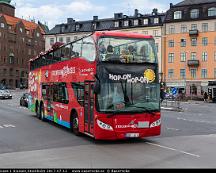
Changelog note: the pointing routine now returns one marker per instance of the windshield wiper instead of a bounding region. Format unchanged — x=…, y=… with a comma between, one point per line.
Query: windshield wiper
x=144, y=109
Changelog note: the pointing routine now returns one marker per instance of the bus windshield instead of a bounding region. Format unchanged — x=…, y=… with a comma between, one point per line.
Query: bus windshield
x=127, y=50
x=129, y=97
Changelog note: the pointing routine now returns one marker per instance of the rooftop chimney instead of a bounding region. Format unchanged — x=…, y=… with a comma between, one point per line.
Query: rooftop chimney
x=70, y=20
x=136, y=12
x=95, y=18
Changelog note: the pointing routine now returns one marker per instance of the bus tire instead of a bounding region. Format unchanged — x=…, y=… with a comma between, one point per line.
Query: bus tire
x=42, y=115
x=75, y=124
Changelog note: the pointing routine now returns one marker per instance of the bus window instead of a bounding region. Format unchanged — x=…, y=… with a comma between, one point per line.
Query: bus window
x=60, y=93
x=89, y=47
x=65, y=53
x=79, y=92
x=57, y=55
x=76, y=49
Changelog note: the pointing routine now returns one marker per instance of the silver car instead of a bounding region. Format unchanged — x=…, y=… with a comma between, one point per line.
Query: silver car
x=5, y=94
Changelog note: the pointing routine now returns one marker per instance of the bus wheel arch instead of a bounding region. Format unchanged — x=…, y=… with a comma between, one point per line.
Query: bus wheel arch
x=74, y=122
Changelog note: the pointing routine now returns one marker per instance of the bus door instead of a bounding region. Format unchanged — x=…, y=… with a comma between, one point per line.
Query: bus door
x=89, y=106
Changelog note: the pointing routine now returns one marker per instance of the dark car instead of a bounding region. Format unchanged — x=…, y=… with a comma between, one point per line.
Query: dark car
x=24, y=100
x=5, y=94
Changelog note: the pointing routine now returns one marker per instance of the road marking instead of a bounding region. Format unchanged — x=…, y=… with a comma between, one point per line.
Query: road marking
x=173, y=149
x=197, y=121
x=7, y=126
x=168, y=128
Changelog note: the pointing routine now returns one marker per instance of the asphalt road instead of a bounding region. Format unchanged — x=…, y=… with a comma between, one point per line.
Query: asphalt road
x=188, y=140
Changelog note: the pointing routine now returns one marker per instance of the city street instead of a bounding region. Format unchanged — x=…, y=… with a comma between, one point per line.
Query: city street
x=188, y=140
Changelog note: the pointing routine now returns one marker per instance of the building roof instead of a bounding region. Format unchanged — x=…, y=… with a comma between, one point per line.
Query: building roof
x=28, y=25
x=105, y=24
x=194, y=2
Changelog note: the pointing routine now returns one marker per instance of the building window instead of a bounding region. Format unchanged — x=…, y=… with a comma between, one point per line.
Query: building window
x=177, y=14
x=194, y=13
x=204, y=41
x=156, y=47
x=2, y=25
x=136, y=22
x=29, y=52
x=214, y=72
x=193, y=41
x=171, y=43
x=61, y=39
x=27, y=32
x=145, y=32
x=172, y=29
x=204, y=56
x=183, y=28
x=183, y=42
x=77, y=27
x=75, y=38
x=182, y=73
x=9, y=27
x=126, y=23
x=183, y=56
x=215, y=56
x=212, y=11
x=116, y=24
x=193, y=73
x=68, y=39
x=38, y=34
x=204, y=27
x=155, y=33
x=52, y=40
x=193, y=55
x=170, y=73
x=171, y=58
x=156, y=20
x=145, y=21
x=193, y=26
x=204, y=73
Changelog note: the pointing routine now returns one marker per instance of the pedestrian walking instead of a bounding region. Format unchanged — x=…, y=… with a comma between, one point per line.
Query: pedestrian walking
x=205, y=97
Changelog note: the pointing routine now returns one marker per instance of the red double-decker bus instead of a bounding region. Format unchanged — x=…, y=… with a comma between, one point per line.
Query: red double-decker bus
x=105, y=85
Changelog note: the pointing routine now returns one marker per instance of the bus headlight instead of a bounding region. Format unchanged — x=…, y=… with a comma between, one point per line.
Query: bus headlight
x=156, y=123
x=104, y=125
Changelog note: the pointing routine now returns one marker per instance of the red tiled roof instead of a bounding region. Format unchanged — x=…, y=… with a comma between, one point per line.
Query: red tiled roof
x=28, y=25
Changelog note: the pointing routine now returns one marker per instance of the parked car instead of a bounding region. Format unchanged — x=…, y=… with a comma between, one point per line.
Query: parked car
x=24, y=100
x=5, y=94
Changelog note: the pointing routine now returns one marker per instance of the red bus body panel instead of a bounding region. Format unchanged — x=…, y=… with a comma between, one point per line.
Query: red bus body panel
x=80, y=70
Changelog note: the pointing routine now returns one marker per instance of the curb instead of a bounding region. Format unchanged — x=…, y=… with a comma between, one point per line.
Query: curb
x=172, y=109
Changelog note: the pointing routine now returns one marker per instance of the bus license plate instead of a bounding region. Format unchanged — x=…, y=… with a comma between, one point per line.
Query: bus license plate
x=132, y=135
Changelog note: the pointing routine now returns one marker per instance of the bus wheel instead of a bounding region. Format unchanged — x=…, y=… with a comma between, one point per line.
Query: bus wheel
x=75, y=124
x=42, y=115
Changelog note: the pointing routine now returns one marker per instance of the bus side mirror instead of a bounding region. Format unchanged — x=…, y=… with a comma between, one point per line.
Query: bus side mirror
x=97, y=87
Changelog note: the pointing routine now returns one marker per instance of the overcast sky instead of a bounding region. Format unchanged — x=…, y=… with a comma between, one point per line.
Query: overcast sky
x=57, y=11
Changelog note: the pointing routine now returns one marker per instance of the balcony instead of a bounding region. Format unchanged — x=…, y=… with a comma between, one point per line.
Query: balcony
x=193, y=63
x=193, y=33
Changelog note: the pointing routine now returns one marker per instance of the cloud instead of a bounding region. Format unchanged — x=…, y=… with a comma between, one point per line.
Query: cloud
x=56, y=13
x=144, y=6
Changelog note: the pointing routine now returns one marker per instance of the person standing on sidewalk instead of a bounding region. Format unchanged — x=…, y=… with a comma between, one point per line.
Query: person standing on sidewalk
x=205, y=96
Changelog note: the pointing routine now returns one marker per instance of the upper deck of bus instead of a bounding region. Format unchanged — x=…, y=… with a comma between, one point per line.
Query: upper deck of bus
x=97, y=35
